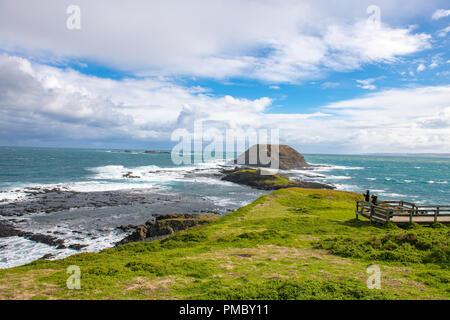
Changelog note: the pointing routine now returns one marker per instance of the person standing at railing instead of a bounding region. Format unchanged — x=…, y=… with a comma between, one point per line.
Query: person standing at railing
x=366, y=196
x=374, y=199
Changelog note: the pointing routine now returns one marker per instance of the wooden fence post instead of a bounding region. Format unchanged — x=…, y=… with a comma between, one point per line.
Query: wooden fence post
x=411, y=215
x=436, y=213
x=372, y=209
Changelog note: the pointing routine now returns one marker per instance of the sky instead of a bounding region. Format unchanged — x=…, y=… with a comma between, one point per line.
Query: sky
x=332, y=76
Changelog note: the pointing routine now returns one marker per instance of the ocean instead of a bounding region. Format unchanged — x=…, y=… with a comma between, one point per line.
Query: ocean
x=121, y=188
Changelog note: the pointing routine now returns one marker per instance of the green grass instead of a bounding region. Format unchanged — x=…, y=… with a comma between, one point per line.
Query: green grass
x=272, y=180
x=291, y=244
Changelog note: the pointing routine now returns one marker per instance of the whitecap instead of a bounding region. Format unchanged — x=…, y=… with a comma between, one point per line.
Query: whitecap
x=338, y=177
x=346, y=187
x=392, y=194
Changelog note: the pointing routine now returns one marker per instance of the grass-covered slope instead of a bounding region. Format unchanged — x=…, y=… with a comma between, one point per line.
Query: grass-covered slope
x=291, y=244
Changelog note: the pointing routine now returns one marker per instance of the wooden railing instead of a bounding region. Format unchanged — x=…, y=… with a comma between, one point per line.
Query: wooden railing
x=402, y=212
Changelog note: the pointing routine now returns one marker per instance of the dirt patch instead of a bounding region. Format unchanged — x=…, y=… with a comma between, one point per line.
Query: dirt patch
x=26, y=286
x=148, y=287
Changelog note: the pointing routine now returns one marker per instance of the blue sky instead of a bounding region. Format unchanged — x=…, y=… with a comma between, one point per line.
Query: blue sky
x=316, y=70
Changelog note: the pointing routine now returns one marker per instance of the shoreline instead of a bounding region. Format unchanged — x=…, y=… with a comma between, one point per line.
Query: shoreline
x=69, y=222
x=58, y=203
x=37, y=216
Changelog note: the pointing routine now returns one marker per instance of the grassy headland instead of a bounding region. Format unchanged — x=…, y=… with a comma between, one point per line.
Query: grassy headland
x=291, y=244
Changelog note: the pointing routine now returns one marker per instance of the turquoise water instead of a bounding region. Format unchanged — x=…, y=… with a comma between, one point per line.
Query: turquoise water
x=421, y=180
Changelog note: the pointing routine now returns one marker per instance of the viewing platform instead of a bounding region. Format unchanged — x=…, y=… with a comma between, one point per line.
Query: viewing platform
x=402, y=212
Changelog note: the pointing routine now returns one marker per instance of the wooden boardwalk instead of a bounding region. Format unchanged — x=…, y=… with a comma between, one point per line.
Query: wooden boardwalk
x=402, y=212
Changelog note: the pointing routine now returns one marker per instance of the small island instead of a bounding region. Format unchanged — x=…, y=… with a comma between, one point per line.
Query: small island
x=288, y=157
x=253, y=178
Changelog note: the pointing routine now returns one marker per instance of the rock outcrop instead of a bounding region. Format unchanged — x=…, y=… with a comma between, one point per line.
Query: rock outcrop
x=288, y=157
x=165, y=225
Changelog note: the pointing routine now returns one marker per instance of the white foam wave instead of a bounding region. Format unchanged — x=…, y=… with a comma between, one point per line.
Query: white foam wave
x=346, y=187
x=307, y=173
x=338, y=177
x=151, y=173
x=392, y=194
x=327, y=167
x=223, y=202
x=11, y=195
x=18, y=251
x=117, y=177
x=20, y=193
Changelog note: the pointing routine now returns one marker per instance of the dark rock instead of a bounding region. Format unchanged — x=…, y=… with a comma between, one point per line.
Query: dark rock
x=129, y=175
x=64, y=200
x=43, y=238
x=77, y=246
x=7, y=230
x=165, y=225
x=47, y=256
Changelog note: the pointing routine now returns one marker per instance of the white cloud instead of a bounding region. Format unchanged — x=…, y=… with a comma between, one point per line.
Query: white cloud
x=441, y=13
x=329, y=84
x=83, y=106
x=267, y=40
x=45, y=103
x=443, y=32
x=367, y=42
x=440, y=119
x=421, y=67
x=367, y=84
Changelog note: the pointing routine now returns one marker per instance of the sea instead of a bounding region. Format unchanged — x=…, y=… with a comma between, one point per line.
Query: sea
x=179, y=188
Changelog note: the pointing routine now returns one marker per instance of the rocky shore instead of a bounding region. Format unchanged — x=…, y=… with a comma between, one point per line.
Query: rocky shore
x=8, y=230
x=164, y=225
x=65, y=219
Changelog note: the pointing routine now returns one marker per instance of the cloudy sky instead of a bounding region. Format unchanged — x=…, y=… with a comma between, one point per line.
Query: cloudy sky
x=333, y=76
